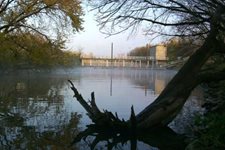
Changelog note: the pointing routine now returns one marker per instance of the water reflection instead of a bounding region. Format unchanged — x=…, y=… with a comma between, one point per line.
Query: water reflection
x=37, y=110
x=154, y=81
x=15, y=134
x=32, y=112
x=103, y=138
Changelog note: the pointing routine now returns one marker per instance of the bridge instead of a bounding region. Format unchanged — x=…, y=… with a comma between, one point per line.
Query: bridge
x=127, y=61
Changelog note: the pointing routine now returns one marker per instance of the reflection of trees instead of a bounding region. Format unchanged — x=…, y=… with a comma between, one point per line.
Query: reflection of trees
x=26, y=84
x=26, y=137
x=32, y=112
x=30, y=95
x=31, y=127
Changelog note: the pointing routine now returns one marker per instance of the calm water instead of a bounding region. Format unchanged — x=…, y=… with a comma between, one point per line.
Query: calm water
x=38, y=110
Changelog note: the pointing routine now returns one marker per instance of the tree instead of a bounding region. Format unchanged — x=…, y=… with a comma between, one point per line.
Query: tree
x=28, y=50
x=51, y=19
x=48, y=18
x=140, y=51
x=181, y=48
x=200, y=19
x=35, y=30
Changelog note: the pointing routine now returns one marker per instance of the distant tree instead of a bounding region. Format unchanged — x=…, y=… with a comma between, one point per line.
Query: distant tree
x=140, y=51
x=29, y=49
x=181, y=47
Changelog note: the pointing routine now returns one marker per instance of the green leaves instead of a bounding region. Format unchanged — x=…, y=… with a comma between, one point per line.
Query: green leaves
x=24, y=15
x=31, y=31
x=212, y=136
x=32, y=50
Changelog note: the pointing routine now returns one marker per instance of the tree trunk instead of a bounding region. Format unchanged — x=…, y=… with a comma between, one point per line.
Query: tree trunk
x=168, y=104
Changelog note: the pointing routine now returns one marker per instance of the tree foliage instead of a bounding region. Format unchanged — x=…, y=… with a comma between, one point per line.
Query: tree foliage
x=33, y=32
x=27, y=50
x=49, y=18
x=140, y=51
x=181, y=47
x=177, y=47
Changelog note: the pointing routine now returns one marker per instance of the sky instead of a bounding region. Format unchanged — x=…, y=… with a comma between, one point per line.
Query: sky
x=91, y=40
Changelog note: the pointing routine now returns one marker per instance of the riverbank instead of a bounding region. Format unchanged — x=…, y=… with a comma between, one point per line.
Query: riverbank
x=209, y=129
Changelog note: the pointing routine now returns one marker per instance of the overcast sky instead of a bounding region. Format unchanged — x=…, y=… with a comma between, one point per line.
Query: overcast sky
x=92, y=41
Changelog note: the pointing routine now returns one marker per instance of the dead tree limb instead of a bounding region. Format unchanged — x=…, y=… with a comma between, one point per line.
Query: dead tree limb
x=105, y=119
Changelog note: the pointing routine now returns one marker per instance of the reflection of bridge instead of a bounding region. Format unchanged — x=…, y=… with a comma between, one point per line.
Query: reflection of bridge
x=128, y=61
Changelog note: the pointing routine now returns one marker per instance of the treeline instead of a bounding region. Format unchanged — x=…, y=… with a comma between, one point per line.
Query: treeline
x=176, y=48
x=140, y=51
x=32, y=32
x=26, y=50
x=181, y=47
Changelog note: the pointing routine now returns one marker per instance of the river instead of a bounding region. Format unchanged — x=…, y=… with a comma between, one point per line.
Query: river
x=38, y=110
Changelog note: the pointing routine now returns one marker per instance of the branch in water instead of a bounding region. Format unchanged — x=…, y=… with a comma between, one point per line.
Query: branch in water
x=105, y=118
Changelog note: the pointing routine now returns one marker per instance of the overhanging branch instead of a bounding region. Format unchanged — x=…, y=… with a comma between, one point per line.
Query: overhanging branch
x=163, y=23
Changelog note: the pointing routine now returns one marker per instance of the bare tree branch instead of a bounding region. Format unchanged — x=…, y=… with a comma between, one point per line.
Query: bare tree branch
x=188, y=18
